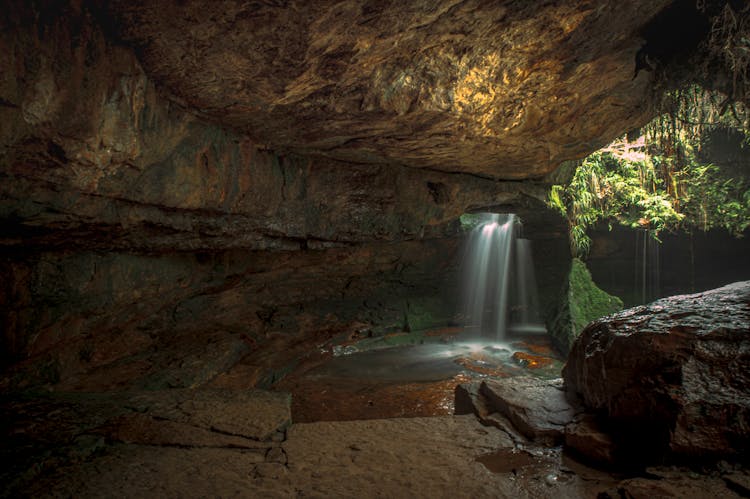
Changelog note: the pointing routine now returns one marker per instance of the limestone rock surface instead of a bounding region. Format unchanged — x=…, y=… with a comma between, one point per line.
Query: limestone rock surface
x=671, y=377
x=93, y=154
x=499, y=89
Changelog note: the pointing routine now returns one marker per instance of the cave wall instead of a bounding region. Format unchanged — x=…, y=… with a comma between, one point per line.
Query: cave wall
x=134, y=234
x=727, y=149
x=548, y=233
x=97, y=320
x=151, y=233
x=92, y=320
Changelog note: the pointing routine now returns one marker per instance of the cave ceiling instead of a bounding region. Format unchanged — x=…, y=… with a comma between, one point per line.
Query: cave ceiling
x=204, y=125
x=500, y=89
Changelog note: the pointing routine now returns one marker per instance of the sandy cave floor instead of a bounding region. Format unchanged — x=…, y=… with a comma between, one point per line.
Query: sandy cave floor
x=341, y=433
x=442, y=456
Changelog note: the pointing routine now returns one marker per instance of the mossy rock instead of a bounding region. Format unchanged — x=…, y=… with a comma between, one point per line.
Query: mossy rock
x=580, y=303
x=427, y=313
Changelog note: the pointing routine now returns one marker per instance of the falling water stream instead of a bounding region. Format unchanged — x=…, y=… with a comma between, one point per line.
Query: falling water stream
x=500, y=294
x=414, y=373
x=647, y=278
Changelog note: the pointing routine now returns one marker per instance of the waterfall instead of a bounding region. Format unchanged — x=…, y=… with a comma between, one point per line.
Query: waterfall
x=647, y=279
x=500, y=294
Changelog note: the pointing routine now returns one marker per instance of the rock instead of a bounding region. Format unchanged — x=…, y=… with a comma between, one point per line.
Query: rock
x=82, y=427
x=537, y=408
x=580, y=303
x=670, y=378
x=147, y=430
x=469, y=399
x=738, y=482
x=503, y=96
x=276, y=455
x=403, y=457
x=427, y=313
x=274, y=471
x=692, y=487
x=532, y=361
x=252, y=414
x=94, y=156
x=465, y=399
x=586, y=439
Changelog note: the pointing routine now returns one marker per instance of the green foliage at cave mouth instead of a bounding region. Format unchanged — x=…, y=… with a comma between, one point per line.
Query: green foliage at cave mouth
x=657, y=181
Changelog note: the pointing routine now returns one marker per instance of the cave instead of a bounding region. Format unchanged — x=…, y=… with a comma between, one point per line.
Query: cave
x=234, y=241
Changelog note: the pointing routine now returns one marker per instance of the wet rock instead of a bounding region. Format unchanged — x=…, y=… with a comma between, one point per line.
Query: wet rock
x=670, y=378
x=586, y=439
x=470, y=399
x=537, y=408
x=531, y=361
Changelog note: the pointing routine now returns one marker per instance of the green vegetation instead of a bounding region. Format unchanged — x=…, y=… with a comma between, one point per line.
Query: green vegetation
x=582, y=302
x=470, y=220
x=658, y=181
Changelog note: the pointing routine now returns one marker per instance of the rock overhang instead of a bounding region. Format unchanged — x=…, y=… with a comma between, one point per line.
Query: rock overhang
x=157, y=125
x=504, y=90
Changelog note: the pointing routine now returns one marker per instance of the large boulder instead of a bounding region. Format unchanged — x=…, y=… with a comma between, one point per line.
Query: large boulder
x=672, y=378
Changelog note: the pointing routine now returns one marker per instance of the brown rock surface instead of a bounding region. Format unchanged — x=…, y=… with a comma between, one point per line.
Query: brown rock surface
x=92, y=155
x=96, y=322
x=151, y=130
x=537, y=408
x=499, y=89
x=589, y=441
x=671, y=376
x=525, y=408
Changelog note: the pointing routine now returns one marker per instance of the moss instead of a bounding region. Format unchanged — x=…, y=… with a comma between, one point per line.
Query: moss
x=426, y=313
x=471, y=220
x=390, y=340
x=581, y=302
